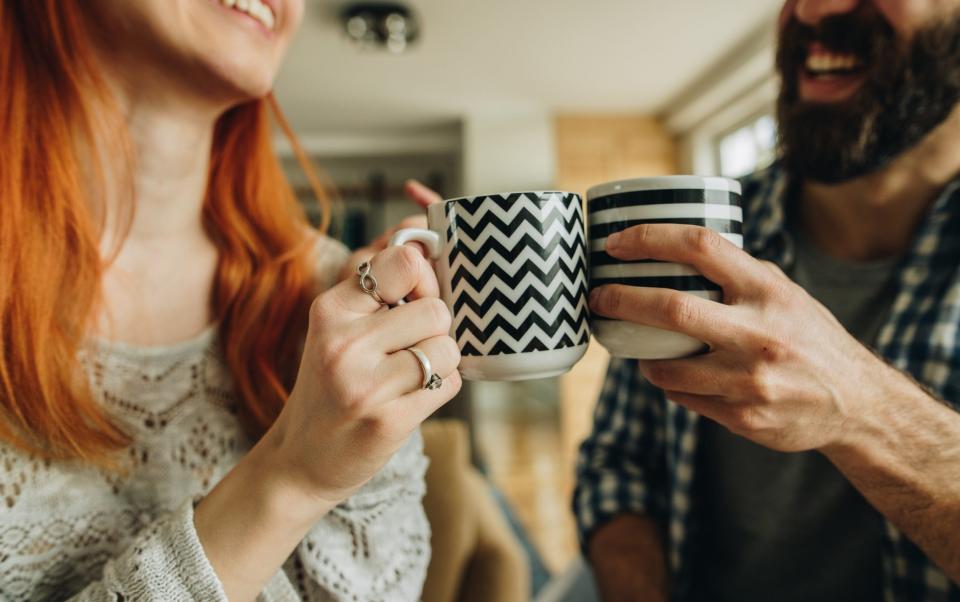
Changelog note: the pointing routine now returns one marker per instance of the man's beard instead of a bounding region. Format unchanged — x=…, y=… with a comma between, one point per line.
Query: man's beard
x=909, y=89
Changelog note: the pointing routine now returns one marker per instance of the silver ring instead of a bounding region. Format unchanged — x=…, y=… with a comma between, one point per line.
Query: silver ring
x=368, y=283
x=431, y=381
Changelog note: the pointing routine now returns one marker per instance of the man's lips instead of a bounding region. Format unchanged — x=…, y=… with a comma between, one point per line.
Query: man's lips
x=830, y=76
x=829, y=88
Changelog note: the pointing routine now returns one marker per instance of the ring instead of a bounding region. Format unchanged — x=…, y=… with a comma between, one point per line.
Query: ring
x=430, y=380
x=368, y=283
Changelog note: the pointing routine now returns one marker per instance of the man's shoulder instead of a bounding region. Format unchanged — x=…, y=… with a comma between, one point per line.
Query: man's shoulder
x=761, y=188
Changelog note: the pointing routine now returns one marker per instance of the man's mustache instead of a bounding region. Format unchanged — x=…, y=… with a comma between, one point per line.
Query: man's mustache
x=863, y=33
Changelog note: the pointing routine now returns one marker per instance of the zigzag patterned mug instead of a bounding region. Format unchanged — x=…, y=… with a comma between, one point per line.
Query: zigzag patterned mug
x=512, y=268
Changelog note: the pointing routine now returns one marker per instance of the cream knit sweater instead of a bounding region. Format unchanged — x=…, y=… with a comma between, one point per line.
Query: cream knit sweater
x=68, y=531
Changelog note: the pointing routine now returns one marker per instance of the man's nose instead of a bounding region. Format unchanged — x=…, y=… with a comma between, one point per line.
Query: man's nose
x=811, y=12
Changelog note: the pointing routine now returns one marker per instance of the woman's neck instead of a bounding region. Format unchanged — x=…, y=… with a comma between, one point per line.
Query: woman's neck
x=161, y=265
x=167, y=175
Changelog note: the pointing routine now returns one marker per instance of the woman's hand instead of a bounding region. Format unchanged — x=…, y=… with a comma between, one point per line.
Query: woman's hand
x=357, y=399
x=416, y=192
x=358, y=396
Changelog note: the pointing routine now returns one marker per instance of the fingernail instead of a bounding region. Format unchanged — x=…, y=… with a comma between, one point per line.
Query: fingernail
x=613, y=241
x=594, y=297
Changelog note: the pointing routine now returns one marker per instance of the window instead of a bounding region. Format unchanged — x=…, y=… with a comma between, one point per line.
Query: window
x=750, y=147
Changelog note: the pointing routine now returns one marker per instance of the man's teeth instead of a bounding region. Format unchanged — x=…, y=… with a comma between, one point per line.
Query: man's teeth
x=255, y=8
x=828, y=62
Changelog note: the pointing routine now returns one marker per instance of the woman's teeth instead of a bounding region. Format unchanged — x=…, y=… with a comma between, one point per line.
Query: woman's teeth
x=255, y=8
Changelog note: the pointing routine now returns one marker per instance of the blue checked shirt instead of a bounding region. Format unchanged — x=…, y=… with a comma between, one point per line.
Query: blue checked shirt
x=640, y=457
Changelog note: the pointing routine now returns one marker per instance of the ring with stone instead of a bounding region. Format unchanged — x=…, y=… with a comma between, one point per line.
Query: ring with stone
x=431, y=381
x=368, y=283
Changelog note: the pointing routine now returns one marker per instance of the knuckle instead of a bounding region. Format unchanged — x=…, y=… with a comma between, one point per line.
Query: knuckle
x=439, y=315
x=320, y=310
x=454, y=382
x=760, y=386
x=406, y=263
x=749, y=419
x=611, y=300
x=768, y=346
x=679, y=310
x=335, y=354
x=779, y=290
x=704, y=241
x=451, y=352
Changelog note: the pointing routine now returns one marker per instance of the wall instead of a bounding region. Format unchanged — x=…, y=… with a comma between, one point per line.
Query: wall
x=591, y=149
x=508, y=150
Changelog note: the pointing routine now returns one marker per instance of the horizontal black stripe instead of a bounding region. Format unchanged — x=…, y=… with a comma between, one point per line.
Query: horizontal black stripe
x=723, y=226
x=664, y=197
x=677, y=283
x=601, y=258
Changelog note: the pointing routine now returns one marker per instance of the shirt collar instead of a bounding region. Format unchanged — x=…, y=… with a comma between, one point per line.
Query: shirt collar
x=769, y=194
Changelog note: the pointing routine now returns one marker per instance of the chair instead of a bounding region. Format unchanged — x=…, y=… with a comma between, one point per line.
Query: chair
x=476, y=557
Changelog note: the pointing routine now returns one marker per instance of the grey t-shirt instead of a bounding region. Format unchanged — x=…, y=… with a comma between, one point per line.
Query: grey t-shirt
x=790, y=527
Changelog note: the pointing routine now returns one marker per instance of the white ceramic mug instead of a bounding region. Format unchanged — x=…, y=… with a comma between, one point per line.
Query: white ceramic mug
x=512, y=269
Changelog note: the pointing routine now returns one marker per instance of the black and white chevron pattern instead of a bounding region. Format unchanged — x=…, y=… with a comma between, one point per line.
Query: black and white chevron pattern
x=719, y=210
x=518, y=272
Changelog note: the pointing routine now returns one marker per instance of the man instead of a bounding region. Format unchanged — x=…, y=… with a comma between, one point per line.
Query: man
x=792, y=462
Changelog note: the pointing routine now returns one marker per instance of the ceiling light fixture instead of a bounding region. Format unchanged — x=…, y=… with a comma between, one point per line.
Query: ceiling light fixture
x=379, y=25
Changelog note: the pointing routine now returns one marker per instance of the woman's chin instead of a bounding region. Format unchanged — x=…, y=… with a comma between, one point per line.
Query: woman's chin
x=236, y=88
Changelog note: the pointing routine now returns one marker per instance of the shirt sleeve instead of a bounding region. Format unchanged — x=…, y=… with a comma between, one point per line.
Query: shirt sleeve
x=374, y=546
x=165, y=562
x=620, y=465
x=330, y=256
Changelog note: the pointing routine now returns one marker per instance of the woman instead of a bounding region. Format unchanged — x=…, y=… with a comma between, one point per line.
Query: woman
x=183, y=415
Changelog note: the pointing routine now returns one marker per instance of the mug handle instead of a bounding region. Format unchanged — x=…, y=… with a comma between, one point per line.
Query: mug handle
x=428, y=238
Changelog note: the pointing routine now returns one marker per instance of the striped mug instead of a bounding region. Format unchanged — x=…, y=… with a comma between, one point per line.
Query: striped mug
x=709, y=202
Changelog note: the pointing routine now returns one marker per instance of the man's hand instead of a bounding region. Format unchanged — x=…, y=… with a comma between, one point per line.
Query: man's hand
x=780, y=370
x=416, y=192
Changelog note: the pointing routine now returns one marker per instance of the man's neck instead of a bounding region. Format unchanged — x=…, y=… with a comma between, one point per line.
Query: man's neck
x=876, y=216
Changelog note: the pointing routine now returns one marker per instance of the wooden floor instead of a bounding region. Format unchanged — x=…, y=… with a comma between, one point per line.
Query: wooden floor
x=519, y=440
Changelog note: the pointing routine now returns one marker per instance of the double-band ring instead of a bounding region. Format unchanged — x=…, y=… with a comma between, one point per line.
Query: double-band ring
x=431, y=381
x=368, y=283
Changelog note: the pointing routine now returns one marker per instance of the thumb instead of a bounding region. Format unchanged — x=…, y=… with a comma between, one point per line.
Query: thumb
x=420, y=194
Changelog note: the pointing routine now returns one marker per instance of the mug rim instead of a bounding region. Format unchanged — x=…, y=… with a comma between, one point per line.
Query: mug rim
x=441, y=206
x=681, y=182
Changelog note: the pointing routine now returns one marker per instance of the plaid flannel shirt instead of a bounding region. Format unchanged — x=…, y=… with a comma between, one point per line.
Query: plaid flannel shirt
x=640, y=457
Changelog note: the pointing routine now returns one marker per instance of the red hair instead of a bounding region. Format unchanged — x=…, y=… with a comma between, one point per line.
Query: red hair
x=50, y=263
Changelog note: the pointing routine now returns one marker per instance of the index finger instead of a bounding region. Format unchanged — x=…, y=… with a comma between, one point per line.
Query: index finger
x=718, y=259
x=420, y=194
x=682, y=312
x=398, y=272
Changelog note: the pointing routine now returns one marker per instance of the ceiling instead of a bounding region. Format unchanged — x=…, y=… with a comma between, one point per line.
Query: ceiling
x=509, y=55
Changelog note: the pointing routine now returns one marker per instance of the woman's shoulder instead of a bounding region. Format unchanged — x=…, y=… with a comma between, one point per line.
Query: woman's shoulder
x=328, y=256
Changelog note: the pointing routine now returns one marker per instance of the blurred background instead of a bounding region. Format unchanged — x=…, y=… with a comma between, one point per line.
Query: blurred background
x=474, y=97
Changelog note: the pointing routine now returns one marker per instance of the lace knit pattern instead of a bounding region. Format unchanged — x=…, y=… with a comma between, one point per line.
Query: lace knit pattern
x=72, y=531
